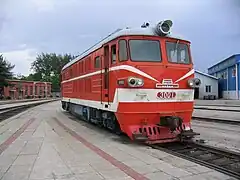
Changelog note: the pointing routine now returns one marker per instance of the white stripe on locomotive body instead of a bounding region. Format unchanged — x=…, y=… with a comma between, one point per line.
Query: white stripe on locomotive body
x=128, y=68
x=132, y=69
x=83, y=76
x=150, y=95
x=114, y=68
x=191, y=72
x=131, y=95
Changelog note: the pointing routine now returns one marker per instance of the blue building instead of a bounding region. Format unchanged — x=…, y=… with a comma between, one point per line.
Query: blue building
x=227, y=72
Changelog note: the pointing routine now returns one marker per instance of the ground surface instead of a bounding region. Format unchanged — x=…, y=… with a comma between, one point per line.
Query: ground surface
x=217, y=102
x=218, y=134
x=20, y=103
x=2, y=102
x=225, y=115
x=45, y=143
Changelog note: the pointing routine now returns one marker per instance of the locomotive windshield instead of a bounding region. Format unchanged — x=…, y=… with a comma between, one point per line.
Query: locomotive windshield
x=177, y=53
x=145, y=50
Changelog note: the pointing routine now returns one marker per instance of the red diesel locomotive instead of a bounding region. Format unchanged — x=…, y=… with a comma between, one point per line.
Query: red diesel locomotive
x=139, y=81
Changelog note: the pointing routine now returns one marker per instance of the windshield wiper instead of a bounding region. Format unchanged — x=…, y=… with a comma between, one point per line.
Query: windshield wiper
x=175, y=49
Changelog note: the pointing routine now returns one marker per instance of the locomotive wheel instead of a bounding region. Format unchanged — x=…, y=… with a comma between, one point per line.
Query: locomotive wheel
x=63, y=105
x=112, y=124
x=115, y=125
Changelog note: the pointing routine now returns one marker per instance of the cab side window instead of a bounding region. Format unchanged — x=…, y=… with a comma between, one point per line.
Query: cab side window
x=113, y=54
x=122, y=53
x=97, y=62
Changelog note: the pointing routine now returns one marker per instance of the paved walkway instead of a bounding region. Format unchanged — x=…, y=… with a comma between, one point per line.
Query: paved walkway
x=218, y=107
x=223, y=115
x=2, y=102
x=45, y=143
x=218, y=134
x=3, y=106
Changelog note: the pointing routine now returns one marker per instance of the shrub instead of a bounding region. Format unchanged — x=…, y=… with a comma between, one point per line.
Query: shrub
x=8, y=97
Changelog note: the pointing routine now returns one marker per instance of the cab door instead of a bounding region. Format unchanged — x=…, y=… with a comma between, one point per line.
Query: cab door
x=105, y=77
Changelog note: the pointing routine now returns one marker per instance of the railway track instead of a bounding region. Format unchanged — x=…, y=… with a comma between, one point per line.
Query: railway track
x=224, y=161
x=12, y=111
x=217, y=120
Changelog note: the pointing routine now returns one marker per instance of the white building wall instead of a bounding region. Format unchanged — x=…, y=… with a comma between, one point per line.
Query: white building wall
x=206, y=80
x=230, y=94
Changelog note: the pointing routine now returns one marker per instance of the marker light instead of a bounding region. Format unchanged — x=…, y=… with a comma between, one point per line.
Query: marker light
x=194, y=82
x=121, y=82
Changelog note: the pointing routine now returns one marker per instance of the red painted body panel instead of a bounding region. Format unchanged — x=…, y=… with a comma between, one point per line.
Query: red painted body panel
x=148, y=115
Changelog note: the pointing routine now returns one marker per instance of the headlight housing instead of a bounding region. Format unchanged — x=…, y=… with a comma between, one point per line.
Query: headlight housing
x=194, y=82
x=135, y=82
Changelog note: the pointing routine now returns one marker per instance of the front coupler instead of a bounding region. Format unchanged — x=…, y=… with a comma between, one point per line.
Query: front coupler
x=187, y=135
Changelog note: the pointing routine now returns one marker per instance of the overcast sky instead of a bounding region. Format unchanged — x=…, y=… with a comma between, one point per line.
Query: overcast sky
x=28, y=27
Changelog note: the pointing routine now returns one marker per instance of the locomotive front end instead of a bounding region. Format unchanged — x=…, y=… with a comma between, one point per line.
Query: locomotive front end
x=156, y=96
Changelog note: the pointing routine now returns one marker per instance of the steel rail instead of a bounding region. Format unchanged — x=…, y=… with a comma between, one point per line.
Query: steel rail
x=217, y=120
x=217, y=105
x=221, y=160
x=212, y=109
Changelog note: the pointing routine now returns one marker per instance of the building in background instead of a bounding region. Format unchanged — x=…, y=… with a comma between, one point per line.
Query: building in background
x=21, y=89
x=227, y=72
x=208, y=88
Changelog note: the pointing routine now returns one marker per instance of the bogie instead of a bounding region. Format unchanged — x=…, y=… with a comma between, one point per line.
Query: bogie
x=92, y=115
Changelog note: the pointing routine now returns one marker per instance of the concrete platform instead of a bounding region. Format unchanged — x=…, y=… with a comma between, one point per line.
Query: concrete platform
x=45, y=143
x=223, y=115
x=3, y=102
x=219, y=135
x=218, y=108
x=218, y=102
x=3, y=106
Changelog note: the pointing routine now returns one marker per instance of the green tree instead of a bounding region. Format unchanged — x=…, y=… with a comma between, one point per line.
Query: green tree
x=30, y=77
x=34, y=77
x=5, y=72
x=19, y=76
x=47, y=67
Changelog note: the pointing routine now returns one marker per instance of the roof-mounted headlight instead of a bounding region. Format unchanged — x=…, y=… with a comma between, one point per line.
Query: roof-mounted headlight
x=163, y=28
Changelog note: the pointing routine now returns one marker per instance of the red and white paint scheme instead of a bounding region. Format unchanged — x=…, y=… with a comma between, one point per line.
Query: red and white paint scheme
x=136, y=81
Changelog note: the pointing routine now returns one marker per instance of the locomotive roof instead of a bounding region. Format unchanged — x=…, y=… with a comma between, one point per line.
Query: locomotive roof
x=149, y=31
